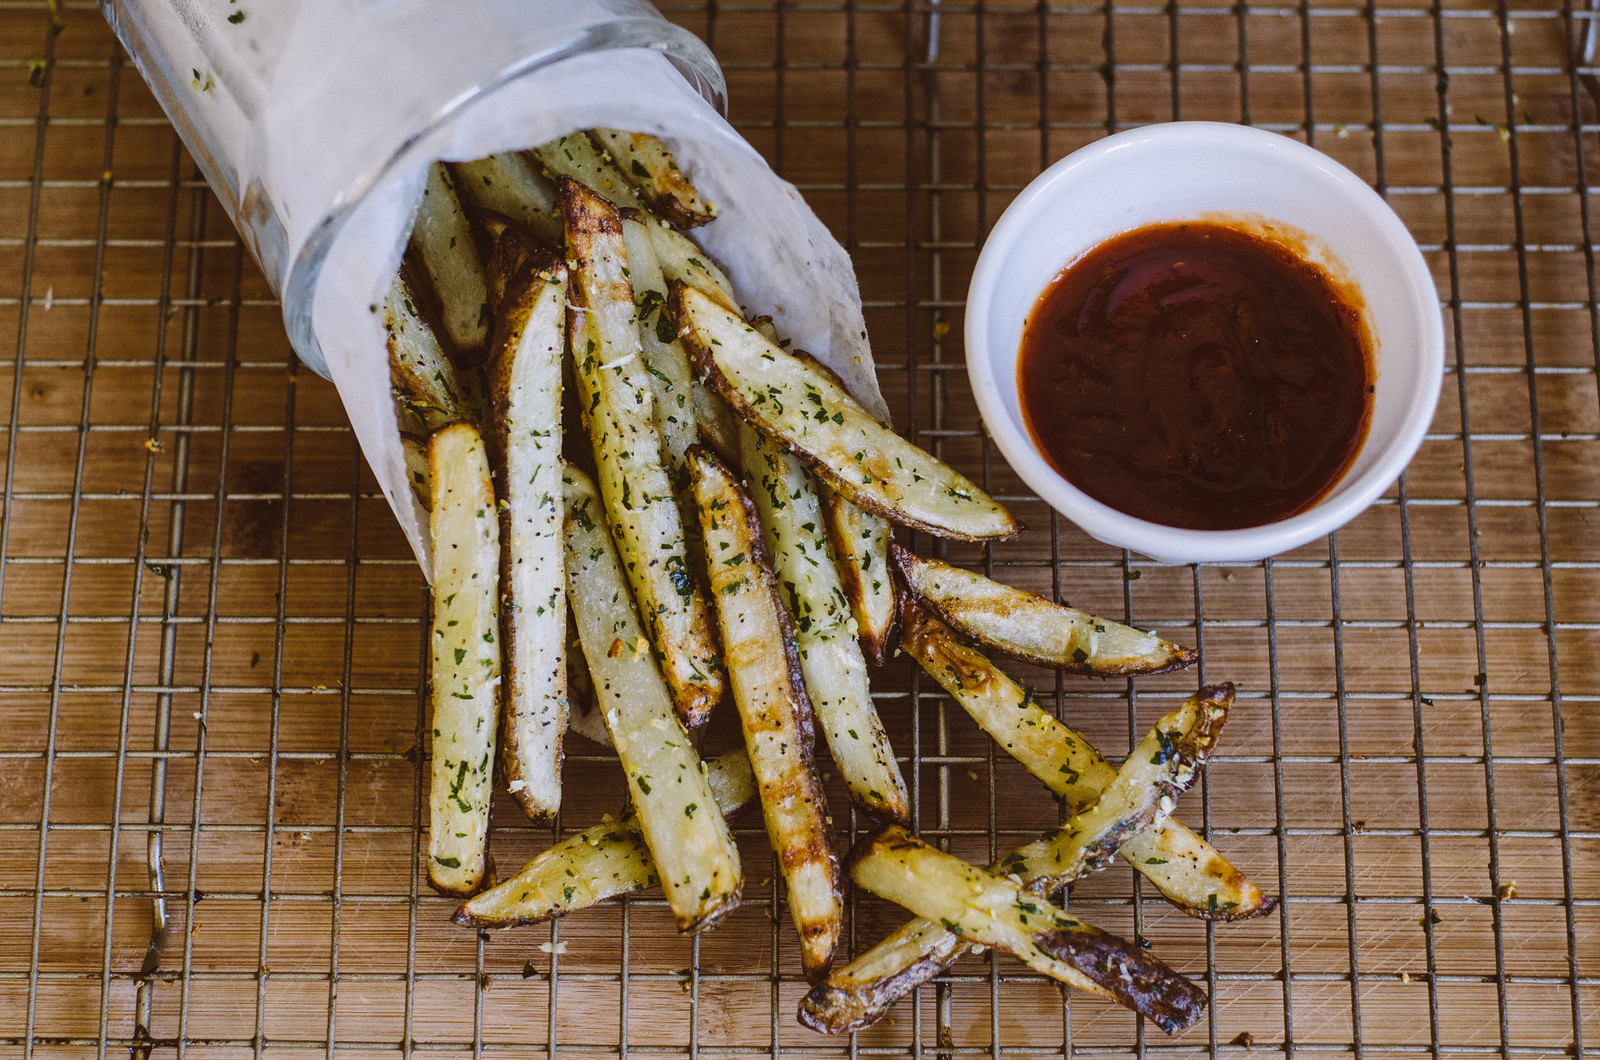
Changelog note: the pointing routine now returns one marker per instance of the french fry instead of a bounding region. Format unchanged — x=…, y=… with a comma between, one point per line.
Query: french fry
x=809, y=414
x=688, y=839
x=1129, y=809
x=575, y=157
x=617, y=401
x=679, y=259
x=992, y=910
x=442, y=241
x=1181, y=865
x=507, y=184
x=464, y=675
x=1031, y=628
x=649, y=166
x=514, y=252
x=831, y=661
x=422, y=378
x=861, y=547
x=598, y=863
x=530, y=341
x=664, y=358
x=769, y=690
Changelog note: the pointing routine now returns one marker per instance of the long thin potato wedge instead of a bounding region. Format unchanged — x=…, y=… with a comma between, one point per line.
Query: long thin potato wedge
x=464, y=675
x=861, y=546
x=618, y=404
x=664, y=358
x=575, y=156
x=809, y=414
x=442, y=240
x=530, y=341
x=679, y=259
x=602, y=862
x=993, y=910
x=508, y=184
x=422, y=378
x=646, y=162
x=1144, y=791
x=1031, y=628
x=835, y=671
x=688, y=839
x=1182, y=866
x=1124, y=812
x=769, y=690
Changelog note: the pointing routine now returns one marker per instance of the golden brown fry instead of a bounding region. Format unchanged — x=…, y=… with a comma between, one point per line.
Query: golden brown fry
x=1125, y=812
x=830, y=656
x=986, y=908
x=810, y=415
x=618, y=406
x=464, y=672
x=1033, y=629
x=1183, y=867
x=688, y=840
x=602, y=862
x=645, y=161
x=769, y=690
x=525, y=394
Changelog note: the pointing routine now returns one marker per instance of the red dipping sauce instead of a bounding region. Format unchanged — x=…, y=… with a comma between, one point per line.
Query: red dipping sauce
x=1197, y=375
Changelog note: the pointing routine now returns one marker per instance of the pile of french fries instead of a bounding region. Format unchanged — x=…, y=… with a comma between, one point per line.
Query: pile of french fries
x=642, y=504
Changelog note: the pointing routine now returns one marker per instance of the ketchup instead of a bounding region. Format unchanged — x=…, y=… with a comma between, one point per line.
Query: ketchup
x=1197, y=375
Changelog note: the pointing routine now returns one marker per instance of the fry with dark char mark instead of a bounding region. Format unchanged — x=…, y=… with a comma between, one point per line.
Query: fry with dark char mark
x=1031, y=628
x=831, y=660
x=602, y=862
x=618, y=406
x=514, y=251
x=988, y=909
x=464, y=660
x=1127, y=810
x=646, y=163
x=770, y=692
x=1183, y=867
x=810, y=415
x=688, y=839
x=529, y=343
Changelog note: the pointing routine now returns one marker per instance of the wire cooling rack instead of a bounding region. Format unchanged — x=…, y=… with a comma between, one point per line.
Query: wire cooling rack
x=211, y=786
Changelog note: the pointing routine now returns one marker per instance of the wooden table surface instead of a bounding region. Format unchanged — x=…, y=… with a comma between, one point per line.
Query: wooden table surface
x=198, y=578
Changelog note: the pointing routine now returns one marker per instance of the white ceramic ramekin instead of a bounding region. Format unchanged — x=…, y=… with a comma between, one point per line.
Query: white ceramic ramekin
x=1210, y=171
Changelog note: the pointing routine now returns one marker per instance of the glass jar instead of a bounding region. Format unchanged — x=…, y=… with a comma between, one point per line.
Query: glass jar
x=295, y=111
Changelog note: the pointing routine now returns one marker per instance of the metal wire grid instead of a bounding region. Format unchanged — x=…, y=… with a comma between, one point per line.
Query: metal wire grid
x=243, y=652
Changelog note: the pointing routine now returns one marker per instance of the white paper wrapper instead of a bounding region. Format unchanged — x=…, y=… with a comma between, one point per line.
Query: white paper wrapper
x=781, y=259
